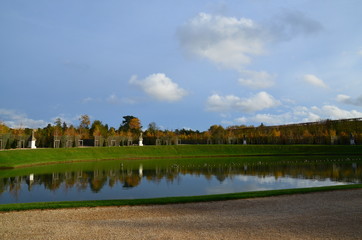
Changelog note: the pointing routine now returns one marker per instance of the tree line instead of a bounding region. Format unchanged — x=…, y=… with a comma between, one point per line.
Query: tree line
x=96, y=133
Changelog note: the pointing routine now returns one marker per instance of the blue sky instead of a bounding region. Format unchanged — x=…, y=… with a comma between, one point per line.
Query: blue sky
x=180, y=64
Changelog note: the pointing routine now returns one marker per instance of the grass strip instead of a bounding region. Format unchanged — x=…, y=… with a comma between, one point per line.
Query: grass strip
x=170, y=200
x=32, y=157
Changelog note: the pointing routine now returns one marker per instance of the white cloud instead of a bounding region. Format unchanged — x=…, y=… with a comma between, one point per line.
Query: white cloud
x=256, y=80
x=301, y=114
x=333, y=112
x=269, y=119
x=286, y=118
x=349, y=100
x=217, y=103
x=233, y=42
x=258, y=102
x=228, y=41
x=241, y=120
x=312, y=79
x=14, y=119
x=343, y=98
x=359, y=52
x=160, y=87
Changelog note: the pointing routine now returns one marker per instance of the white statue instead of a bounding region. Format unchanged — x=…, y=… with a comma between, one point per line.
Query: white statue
x=33, y=139
x=140, y=140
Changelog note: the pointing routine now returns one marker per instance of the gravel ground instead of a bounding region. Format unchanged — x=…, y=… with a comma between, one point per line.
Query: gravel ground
x=326, y=215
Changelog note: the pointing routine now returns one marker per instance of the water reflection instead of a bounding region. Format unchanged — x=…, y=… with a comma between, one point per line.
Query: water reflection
x=176, y=179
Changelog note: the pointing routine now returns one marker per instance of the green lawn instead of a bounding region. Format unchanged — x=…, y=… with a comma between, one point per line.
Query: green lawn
x=29, y=157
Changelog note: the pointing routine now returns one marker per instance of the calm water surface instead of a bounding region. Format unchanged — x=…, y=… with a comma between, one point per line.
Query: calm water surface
x=164, y=178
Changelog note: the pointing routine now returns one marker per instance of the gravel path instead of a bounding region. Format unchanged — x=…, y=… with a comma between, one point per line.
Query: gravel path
x=326, y=215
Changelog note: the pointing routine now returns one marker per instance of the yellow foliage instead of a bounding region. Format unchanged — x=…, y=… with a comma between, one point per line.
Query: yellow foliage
x=135, y=124
x=3, y=128
x=306, y=133
x=332, y=133
x=276, y=133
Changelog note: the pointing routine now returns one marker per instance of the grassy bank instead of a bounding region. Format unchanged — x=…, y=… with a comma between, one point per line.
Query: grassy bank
x=30, y=157
x=170, y=200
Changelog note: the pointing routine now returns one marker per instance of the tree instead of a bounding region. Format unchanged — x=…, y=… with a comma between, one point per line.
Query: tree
x=58, y=127
x=84, y=121
x=217, y=133
x=112, y=131
x=98, y=129
x=58, y=122
x=3, y=128
x=84, y=126
x=135, y=125
x=130, y=123
x=70, y=131
x=64, y=127
x=152, y=128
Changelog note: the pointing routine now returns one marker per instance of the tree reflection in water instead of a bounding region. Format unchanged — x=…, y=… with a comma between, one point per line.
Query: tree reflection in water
x=346, y=170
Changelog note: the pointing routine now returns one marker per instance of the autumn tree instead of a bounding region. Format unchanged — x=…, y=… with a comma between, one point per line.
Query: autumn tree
x=70, y=131
x=217, y=133
x=130, y=123
x=152, y=129
x=135, y=125
x=58, y=127
x=98, y=129
x=84, y=121
x=84, y=125
x=112, y=131
x=3, y=128
x=45, y=136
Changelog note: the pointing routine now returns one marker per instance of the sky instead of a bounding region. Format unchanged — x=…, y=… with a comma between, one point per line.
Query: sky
x=180, y=64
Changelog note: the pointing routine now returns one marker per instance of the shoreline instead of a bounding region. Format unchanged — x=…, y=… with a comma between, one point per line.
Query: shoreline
x=172, y=200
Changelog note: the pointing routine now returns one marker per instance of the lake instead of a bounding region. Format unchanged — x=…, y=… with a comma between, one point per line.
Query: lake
x=134, y=179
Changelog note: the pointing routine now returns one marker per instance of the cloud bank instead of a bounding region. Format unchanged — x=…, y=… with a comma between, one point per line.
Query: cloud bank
x=159, y=87
x=231, y=103
x=233, y=42
x=14, y=119
x=349, y=100
x=228, y=41
x=302, y=114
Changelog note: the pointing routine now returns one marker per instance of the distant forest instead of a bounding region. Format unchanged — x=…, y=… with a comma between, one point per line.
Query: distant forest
x=97, y=134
